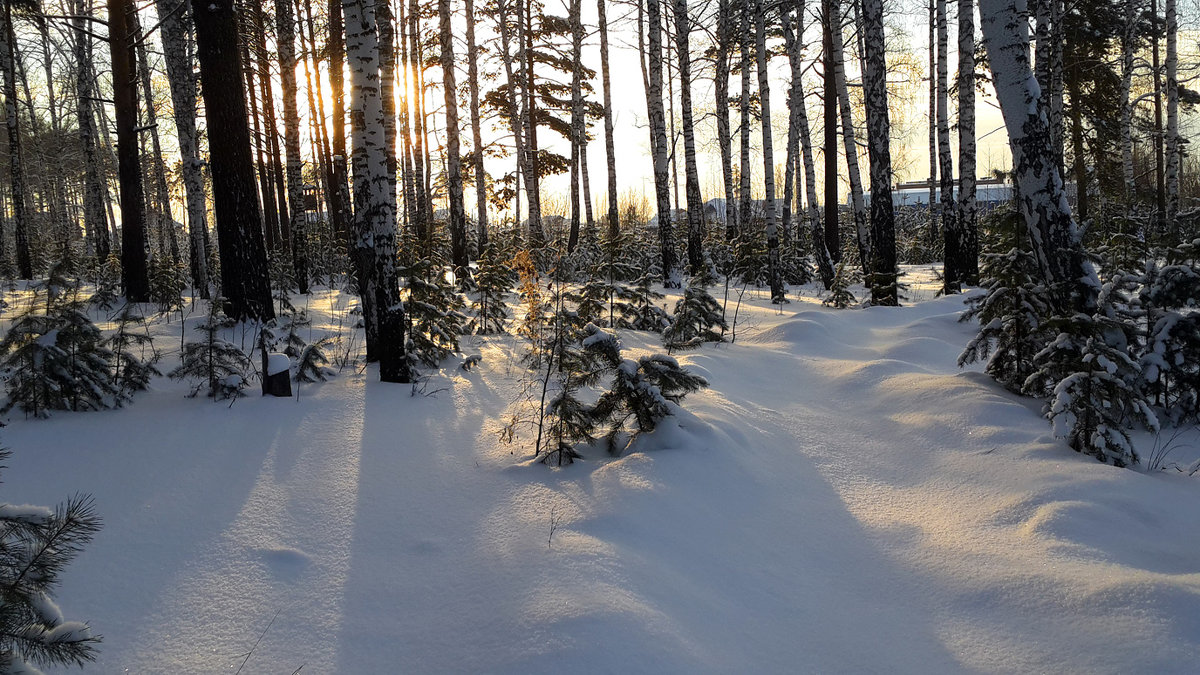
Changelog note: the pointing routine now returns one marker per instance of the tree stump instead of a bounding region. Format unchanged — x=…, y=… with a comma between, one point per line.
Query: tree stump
x=277, y=374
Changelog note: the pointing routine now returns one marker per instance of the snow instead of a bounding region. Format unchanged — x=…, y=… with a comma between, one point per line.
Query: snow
x=278, y=363
x=841, y=499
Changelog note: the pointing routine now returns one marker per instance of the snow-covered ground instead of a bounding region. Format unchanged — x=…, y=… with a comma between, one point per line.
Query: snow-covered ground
x=842, y=499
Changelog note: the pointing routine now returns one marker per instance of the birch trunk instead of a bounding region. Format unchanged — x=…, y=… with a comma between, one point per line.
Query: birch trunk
x=813, y=211
x=454, y=183
x=774, y=277
x=724, y=140
x=532, y=173
x=421, y=210
x=1055, y=239
x=165, y=225
x=610, y=153
x=336, y=48
x=285, y=39
x=375, y=215
x=178, y=52
x=516, y=111
x=94, y=222
x=1128, y=46
x=695, y=204
x=883, y=223
x=577, y=125
x=968, y=218
x=481, y=219
x=1173, y=148
x=658, y=128
x=952, y=272
x=857, y=204
x=743, y=219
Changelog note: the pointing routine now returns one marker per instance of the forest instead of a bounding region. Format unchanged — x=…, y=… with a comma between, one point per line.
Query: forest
x=841, y=284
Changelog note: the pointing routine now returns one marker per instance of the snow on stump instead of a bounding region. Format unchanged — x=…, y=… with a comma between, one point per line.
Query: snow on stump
x=277, y=374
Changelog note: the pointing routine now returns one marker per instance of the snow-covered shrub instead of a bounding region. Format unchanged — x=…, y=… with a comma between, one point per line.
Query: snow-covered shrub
x=641, y=311
x=108, y=283
x=36, y=543
x=212, y=361
x=1093, y=381
x=643, y=392
x=167, y=282
x=311, y=362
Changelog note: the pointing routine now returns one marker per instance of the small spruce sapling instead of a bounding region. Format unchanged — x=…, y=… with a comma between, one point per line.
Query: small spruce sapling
x=54, y=356
x=1094, y=384
x=493, y=280
x=1011, y=312
x=212, y=361
x=36, y=544
x=132, y=369
x=167, y=282
x=434, y=308
x=698, y=317
x=641, y=310
x=840, y=296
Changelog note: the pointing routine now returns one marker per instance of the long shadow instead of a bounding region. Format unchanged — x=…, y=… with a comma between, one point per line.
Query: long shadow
x=168, y=477
x=728, y=553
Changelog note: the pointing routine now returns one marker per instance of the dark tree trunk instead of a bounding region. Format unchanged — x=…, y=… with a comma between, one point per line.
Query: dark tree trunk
x=244, y=276
x=134, y=273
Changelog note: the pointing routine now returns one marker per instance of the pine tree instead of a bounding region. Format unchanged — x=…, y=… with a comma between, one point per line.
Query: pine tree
x=698, y=318
x=36, y=543
x=642, y=391
x=167, y=282
x=641, y=311
x=311, y=361
x=54, y=357
x=214, y=362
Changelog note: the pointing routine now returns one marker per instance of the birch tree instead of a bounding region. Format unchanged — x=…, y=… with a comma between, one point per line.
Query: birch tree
x=658, y=131
x=95, y=224
x=799, y=122
x=967, y=220
x=285, y=38
x=1173, y=147
x=857, y=203
x=883, y=279
x=695, y=204
x=178, y=53
x=951, y=274
x=454, y=188
x=743, y=220
x=1055, y=239
x=481, y=215
x=610, y=152
x=374, y=214
x=774, y=276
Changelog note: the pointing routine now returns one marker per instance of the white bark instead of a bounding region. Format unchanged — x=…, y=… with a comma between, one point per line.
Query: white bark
x=849, y=143
x=764, y=95
x=1043, y=204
